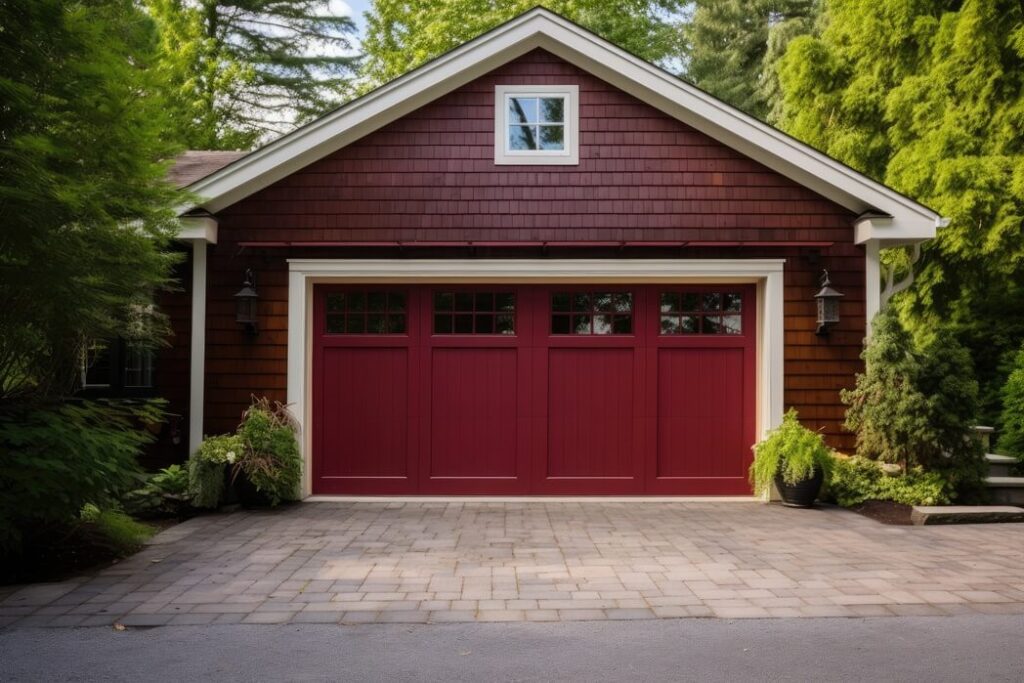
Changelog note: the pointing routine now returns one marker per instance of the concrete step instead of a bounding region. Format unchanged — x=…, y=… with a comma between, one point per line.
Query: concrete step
x=1000, y=465
x=1006, y=490
x=965, y=514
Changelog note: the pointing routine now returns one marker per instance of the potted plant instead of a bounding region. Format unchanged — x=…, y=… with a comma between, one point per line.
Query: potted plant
x=209, y=469
x=793, y=458
x=269, y=468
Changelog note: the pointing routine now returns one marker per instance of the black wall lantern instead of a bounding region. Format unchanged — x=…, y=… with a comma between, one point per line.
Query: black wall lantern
x=245, y=304
x=828, y=305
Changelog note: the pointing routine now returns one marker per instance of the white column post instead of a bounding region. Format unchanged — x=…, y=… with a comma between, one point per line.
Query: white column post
x=872, y=282
x=197, y=355
x=774, y=343
x=296, y=391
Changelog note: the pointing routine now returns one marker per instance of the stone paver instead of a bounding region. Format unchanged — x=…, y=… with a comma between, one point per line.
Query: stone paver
x=353, y=563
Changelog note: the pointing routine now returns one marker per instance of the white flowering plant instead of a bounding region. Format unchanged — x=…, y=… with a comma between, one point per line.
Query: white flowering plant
x=206, y=468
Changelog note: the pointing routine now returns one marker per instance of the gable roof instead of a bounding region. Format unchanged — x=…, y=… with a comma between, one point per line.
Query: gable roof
x=195, y=164
x=887, y=215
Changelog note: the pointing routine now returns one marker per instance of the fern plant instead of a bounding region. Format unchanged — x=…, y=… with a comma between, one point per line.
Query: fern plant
x=792, y=451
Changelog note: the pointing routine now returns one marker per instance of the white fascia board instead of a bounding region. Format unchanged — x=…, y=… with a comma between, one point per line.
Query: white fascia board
x=198, y=228
x=540, y=28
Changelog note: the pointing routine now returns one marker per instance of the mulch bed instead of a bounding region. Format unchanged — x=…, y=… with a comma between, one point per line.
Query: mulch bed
x=886, y=512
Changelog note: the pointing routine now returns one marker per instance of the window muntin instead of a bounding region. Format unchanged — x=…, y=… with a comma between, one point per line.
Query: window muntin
x=701, y=312
x=592, y=313
x=536, y=123
x=138, y=367
x=118, y=367
x=474, y=312
x=366, y=312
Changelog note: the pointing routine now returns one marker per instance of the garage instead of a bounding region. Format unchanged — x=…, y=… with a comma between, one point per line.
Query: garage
x=505, y=389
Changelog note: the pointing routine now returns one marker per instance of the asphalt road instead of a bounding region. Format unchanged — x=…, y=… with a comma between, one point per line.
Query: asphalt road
x=968, y=648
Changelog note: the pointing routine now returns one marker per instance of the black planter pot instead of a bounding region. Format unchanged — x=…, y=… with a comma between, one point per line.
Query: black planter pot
x=803, y=493
x=239, y=489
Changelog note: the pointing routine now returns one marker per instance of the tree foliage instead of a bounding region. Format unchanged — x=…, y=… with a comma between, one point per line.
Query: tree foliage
x=928, y=97
x=733, y=47
x=243, y=70
x=402, y=34
x=56, y=458
x=83, y=203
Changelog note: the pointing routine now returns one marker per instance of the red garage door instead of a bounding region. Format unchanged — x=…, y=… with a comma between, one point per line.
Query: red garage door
x=553, y=390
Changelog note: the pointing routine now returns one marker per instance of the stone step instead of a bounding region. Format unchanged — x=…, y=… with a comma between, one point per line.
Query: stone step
x=1006, y=490
x=1000, y=465
x=965, y=514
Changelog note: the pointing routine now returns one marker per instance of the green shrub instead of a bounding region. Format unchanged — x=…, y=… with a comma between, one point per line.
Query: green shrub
x=916, y=405
x=123, y=532
x=791, y=450
x=163, y=493
x=856, y=480
x=206, y=469
x=56, y=458
x=1011, y=438
x=271, y=457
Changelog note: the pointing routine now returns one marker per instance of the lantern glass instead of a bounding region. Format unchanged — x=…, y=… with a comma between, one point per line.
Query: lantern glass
x=245, y=310
x=245, y=303
x=828, y=310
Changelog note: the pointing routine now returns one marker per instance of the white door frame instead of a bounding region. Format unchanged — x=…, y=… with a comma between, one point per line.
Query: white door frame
x=303, y=274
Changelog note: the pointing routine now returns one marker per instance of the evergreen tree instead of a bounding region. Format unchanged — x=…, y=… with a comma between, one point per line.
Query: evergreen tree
x=402, y=34
x=916, y=402
x=734, y=46
x=928, y=97
x=83, y=202
x=245, y=70
x=1011, y=441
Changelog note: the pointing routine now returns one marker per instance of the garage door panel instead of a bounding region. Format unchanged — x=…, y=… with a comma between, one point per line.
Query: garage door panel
x=473, y=413
x=464, y=389
x=590, y=413
x=701, y=421
x=365, y=425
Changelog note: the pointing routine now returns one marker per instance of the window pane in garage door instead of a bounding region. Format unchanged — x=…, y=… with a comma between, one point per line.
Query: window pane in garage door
x=483, y=312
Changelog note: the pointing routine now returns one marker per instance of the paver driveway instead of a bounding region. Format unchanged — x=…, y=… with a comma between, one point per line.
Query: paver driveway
x=438, y=562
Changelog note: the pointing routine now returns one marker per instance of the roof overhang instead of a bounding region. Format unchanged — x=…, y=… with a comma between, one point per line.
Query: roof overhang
x=201, y=228
x=905, y=220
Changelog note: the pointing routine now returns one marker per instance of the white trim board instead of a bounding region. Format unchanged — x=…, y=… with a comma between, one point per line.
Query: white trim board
x=533, y=500
x=905, y=220
x=767, y=274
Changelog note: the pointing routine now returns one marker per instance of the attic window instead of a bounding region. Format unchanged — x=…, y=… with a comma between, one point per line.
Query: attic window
x=536, y=124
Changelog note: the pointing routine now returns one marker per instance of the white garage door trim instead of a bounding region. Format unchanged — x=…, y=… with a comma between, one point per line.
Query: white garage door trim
x=304, y=273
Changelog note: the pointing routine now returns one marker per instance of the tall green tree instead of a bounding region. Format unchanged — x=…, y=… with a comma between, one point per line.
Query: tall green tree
x=402, y=34
x=246, y=70
x=733, y=47
x=928, y=97
x=83, y=205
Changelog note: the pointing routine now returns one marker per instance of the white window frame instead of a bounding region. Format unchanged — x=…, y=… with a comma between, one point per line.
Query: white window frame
x=570, y=156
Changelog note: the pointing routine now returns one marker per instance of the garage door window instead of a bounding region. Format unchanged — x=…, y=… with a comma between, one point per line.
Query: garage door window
x=701, y=312
x=592, y=313
x=469, y=312
x=366, y=312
